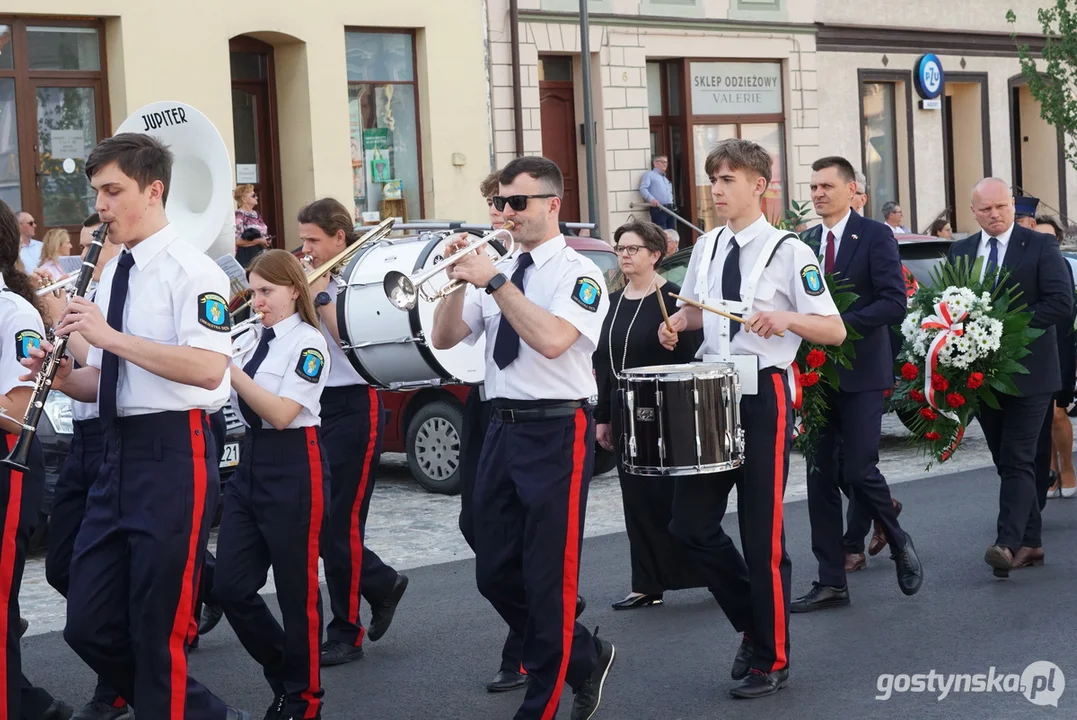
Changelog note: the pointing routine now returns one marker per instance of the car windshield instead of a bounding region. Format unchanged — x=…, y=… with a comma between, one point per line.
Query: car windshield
x=607, y=263
x=921, y=257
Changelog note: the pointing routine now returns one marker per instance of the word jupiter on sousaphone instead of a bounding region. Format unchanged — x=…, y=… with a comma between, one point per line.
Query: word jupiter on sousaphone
x=386, y=310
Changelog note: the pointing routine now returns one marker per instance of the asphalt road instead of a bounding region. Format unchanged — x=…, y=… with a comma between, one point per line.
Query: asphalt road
x=673, y=661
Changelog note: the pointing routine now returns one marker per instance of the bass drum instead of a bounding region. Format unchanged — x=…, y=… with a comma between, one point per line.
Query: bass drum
x=390, y=347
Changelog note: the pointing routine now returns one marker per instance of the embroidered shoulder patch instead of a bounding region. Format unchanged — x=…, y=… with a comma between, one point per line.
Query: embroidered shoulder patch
x=25, y=340
x=310, y=365
x=587, y=293
x=213, y=312
x=813, y=281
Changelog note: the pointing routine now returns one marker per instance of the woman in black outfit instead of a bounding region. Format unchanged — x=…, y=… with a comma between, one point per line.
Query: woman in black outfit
x=628, y=340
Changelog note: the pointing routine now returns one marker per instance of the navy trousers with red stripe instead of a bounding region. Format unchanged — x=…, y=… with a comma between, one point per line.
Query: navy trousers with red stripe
x=528, y=508
x=753, y=589
x=351, y=432
x=274, y=511
x=20, y=502
x=79, y=472
x=136, y=562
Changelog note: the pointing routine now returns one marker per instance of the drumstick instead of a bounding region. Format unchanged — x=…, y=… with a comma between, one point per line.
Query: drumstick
x=716, y=311
x=665, y=314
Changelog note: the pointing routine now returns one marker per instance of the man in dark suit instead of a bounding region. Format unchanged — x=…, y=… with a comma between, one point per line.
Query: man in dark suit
x=862, y=252
x=1034, y=267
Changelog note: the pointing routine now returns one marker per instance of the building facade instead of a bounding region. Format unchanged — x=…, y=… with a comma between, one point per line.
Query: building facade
x=804, y=78
x=324, y=98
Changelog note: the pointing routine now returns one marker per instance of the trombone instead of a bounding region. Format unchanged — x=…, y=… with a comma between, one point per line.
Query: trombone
x=404, y=291
x=65, y=284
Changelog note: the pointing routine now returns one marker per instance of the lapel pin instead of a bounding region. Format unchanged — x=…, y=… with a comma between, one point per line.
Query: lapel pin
x=855, y=237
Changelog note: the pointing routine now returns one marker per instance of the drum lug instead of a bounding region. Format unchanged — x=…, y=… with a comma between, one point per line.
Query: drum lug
x=658, y=396
x=630, y=403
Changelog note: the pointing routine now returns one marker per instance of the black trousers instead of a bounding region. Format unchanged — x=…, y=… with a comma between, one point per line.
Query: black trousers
x=136, y=562
x=1012, y=434
x=529, y=504
x=21, y=495
x=854, y=421
x=274, y=511
x=1044, y=448
x=753, y=589
x=79, y=472
x=476, y=423
x=351, y=433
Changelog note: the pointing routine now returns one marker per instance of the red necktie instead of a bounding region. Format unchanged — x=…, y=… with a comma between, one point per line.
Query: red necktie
x=828, y=266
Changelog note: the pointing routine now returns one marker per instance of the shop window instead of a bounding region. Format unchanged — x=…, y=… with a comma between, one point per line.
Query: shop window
x=769, y=135
x=382, y=100
x=880, y=145
x=10, y=184
x=63, y=48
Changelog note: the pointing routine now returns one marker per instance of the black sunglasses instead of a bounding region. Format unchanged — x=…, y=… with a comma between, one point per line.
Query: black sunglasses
x=516, y=202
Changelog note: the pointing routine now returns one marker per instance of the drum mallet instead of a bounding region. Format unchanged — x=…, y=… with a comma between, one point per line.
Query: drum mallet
x=716, y=311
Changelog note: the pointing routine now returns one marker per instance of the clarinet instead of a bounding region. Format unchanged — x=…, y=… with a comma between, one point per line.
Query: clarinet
x=19, y=456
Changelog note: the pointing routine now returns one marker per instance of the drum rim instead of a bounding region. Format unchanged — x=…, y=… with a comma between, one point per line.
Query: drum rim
x=683, y=369
x=683, y=470
x=342, y=321
x=424, y=348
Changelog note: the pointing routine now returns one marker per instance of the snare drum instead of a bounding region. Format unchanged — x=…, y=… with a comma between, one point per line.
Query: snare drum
x=681, y=419
x=390, y=348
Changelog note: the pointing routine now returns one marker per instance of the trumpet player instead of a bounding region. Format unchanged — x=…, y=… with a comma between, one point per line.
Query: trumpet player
x=351, y=429
x=21, y=328
x=78, y=473
x=158, y=365
x=277, y=501
x=530, y=493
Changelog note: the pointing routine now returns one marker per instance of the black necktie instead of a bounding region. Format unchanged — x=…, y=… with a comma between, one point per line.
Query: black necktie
x=110, y=363
x=507, y=344
x=731, y=281
x=250, y=369
x=992, y=260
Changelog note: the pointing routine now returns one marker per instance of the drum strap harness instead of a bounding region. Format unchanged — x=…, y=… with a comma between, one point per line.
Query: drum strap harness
x=747, y=365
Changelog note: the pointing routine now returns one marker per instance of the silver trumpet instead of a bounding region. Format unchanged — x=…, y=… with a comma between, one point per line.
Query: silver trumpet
x=65, y=284
x=248, y=342
x=404, y=291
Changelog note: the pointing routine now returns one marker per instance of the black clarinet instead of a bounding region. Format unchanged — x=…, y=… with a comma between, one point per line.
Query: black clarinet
x=19, y=456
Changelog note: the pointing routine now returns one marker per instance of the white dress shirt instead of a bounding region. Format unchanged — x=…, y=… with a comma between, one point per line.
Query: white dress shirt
x=294, y=367
x=838, y=230
x=782, y=286
x=341, y=372
x=565, y=283
x=31, y=255
x=81, y=411
x=176, y=296
x=21, y=328
x=983, y=250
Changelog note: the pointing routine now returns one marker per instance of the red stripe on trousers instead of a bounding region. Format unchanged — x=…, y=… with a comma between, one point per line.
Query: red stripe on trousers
x=7, y=567
x=776, y=524
x=177, y=641
x=317, y=508
x=570, y=576
x=356, y=515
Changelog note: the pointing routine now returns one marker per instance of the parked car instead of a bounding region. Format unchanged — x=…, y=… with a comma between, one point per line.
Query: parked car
x=56, y=430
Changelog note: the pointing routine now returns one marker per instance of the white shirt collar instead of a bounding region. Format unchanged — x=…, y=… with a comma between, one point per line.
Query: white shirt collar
x=547, y=250
x=839, y=227
x=751, y=232
x=1003, y=238
x=149, y=248
x=286, y=325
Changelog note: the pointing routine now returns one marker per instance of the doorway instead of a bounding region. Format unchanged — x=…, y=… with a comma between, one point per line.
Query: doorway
x=668, y=128
x=1039, y=165
x=966, y=152
x=254, y=127
x=557, y=106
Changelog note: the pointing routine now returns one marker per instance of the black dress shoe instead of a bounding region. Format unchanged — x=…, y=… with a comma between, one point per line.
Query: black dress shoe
x=211, y=615
x=276, y=710
x=100, y=710
x=335, y=652
x=581, y=605
x=759, y=684
x=820, y=597
x=507, y=680
x=59, y=710
x=382, y=614
x=742, y=663
x=631, y=602
x=910, y=573
x=233, y=714
x=588, y=696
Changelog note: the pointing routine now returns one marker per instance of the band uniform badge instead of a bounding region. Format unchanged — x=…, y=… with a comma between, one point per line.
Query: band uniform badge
x=812, y=279
x=213, y=312
x=587, y=293
x=26, y=340
x=310, y=365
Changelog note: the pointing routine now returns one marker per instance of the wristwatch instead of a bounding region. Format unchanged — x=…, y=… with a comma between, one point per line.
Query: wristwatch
x=321, y=299
x=495, y=283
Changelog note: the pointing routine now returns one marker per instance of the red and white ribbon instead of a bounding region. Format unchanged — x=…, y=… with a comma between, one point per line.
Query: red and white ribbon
x=794, y=376
x=951, y=327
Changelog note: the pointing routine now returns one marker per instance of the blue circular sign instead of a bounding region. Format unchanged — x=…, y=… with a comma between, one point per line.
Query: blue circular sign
x=929, y=76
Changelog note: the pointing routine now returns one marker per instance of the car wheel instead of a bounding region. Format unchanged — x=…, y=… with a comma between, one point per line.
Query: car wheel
x=604, y=460
x=433, y=447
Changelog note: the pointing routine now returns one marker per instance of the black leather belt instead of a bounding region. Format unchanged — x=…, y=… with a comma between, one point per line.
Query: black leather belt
x=517, y=411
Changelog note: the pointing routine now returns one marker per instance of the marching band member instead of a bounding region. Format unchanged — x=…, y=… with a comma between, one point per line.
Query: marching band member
x=773, y=279
x=352, y=429
x=530, y=493
x=158, y=366
x=21, y=494
x=275, y=504
x=78, y=473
